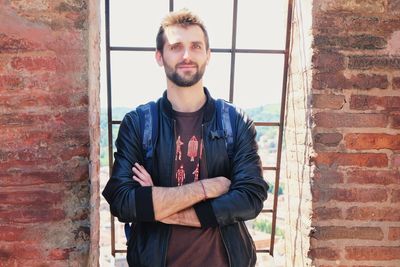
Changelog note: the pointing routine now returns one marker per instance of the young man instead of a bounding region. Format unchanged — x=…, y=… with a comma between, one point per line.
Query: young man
x=189, y=208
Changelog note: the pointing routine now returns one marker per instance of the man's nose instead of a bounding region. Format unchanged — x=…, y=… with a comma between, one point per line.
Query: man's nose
x=186, y=54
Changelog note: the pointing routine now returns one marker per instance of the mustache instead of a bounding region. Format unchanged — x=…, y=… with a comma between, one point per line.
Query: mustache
x=187, y=63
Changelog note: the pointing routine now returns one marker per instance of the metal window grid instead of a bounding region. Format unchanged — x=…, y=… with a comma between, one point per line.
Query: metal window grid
x=233, y=51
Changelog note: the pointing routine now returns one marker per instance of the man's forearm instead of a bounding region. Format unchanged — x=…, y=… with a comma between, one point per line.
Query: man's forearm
x=170, y=200
x=185, y=217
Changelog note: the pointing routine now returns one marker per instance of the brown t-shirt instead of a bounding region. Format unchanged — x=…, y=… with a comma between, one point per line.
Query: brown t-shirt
x=189, y=246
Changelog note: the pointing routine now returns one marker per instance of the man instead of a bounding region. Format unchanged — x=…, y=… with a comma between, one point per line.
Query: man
x=189, y=208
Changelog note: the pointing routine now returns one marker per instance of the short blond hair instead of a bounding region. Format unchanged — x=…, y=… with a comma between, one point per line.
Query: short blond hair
x=183, y=18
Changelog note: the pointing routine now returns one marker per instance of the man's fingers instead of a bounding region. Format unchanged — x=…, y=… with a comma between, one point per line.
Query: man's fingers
x=138, y=180
x=141, y=169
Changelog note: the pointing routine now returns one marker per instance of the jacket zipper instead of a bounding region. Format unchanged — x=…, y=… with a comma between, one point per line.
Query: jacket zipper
x=206, y=176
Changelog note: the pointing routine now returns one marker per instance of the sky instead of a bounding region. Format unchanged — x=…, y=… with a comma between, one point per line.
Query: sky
x=136, y=78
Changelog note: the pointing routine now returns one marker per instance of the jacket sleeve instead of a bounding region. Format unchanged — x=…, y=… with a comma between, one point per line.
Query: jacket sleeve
x=248, y=190
x=129, y=202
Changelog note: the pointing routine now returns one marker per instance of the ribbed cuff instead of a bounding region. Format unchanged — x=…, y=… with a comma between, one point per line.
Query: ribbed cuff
x=205, y=213
x=144, y=204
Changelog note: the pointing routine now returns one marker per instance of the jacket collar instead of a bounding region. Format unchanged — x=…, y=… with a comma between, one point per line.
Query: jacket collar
x=209, y=108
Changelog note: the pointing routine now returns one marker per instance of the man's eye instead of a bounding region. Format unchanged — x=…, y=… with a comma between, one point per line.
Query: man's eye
x=197, y=46
x=174, y=47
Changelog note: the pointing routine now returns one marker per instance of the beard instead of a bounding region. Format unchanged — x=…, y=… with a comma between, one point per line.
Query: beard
x=186, y=79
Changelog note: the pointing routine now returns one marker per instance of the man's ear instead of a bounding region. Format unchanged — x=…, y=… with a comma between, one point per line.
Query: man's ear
x=208, y=55
x=159, y=58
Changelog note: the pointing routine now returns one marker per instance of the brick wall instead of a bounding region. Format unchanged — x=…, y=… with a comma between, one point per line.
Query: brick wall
x=45, y=89
x=356, y=133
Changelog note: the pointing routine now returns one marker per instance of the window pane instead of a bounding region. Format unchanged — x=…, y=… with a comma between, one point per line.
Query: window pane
x=217, y=17
x=216, y=77
x=269, y=177
x=120, y=239
x=261, y=24
x=136, y=79
x=267, y=140
x=135, y=22
x=258, y=80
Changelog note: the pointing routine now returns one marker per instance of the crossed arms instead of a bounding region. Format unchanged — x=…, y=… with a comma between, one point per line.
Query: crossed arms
x=173, y=205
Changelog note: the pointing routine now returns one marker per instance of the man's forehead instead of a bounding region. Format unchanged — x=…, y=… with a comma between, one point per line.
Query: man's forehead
x=177, y=34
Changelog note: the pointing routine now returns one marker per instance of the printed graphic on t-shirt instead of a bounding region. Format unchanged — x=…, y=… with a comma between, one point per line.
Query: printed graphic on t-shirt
x=179, y=143
x=180, y=175
x=192, y=148
x=188, y=166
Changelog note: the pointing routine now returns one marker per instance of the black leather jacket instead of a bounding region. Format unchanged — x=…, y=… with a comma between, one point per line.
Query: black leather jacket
x=130, y=202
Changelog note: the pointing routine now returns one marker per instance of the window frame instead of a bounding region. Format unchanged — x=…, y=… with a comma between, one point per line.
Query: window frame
x=232, y=51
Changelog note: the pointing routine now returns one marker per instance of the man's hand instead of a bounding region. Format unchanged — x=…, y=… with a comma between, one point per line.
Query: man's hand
x=141, y=175
x=185, y=217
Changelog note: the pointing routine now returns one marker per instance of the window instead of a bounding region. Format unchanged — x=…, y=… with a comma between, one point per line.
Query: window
x=249, y=42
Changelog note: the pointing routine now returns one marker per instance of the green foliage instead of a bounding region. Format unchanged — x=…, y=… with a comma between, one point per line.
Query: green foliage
x=271, y=189
x=265, y=226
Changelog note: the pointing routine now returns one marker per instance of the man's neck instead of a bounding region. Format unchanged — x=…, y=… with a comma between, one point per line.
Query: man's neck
x=186, y=99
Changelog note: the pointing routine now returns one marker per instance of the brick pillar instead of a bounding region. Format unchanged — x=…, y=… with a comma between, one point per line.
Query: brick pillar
x=356, y=133
x=46, y=83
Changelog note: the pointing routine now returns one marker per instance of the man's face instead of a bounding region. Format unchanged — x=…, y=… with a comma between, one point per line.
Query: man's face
x=184, y=56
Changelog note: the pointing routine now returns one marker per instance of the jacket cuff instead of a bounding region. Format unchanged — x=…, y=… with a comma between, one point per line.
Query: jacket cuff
x=144, y=204
x=205, y=213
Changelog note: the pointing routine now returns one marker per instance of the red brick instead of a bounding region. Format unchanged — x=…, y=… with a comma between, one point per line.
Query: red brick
x=345, y=24
x=34, y=197
x=327, y=176
x=13, y=119
x=396, y=83
x=35, y=215
x=373, y=214
x=353, y=159
x=351, y=195
x=395, y=196
x=10, y=82
x=374, y=62
x=372, y=141
x=395, y=120
x=40, y=101
x=323, y=213
x=373, y=253
x=394, y=233
x=11, y=233
x=394, y=6
x=328, y=139
x=326, y=101
x=324, y=253
x=35, y=63
x=59, y=254
x=10, y=44
x=365, y=102
x=335, y=120
x=373, y=177
x=19, y=250
x=328, y=61
x=395, y=161
x=359, y=81
x=341, y=232
x=357, y=42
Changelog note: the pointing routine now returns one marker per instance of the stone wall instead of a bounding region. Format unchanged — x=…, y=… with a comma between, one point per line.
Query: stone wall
x=47, y=91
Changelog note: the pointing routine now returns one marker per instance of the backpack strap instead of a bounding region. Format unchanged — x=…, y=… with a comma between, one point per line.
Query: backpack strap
x=148, y=118
x=224, y=123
